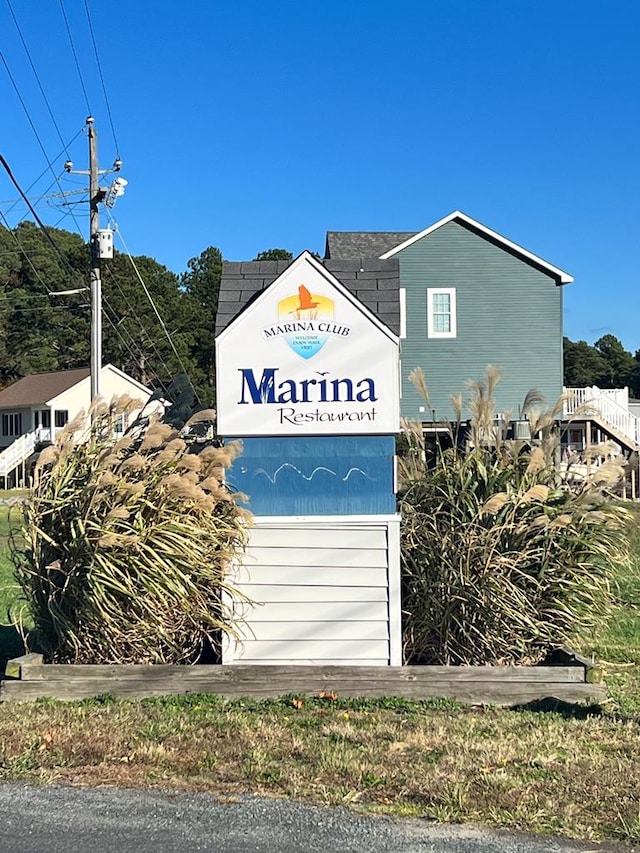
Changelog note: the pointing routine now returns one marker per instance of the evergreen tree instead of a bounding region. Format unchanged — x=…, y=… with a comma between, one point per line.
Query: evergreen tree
x=619, y=364
x=201, y=286
x=274, y=255
x=134, y=339
x=44, y=332
x=606, y=364
x=583, y=365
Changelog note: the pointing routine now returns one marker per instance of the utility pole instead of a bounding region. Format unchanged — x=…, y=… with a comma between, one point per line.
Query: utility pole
x=96, y=280
x=100, y=242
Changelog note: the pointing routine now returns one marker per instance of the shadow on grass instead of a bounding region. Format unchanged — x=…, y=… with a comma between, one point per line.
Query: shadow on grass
x=568, y=710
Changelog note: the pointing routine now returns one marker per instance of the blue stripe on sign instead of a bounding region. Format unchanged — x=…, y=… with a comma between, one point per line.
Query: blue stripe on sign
x=328, y=475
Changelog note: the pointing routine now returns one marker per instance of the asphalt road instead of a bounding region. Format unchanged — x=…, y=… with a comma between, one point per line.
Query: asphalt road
x=108, y=820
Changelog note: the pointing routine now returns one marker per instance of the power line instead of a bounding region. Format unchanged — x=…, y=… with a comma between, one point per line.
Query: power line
x=38, y=277
x=157, y=313
x=26, y=256
x=21, y=252
x=114, y=278
x=56, y=180
x=115, y=324
x=110, y=314
x=75, y=56
x=64, y=215
x=28, y=115
x=35, y=215
x=56, y=308
x=104, y=88
x=20, y=294
x=45, y=196
x=73, y=272
x=35, y=74
x=35, y=131
x=141, y=355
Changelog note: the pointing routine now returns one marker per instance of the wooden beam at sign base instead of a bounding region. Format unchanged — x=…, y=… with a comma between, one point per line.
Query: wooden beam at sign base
x=500, y=685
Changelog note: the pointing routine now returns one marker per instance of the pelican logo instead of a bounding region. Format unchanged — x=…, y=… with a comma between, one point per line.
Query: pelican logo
x=306, y=322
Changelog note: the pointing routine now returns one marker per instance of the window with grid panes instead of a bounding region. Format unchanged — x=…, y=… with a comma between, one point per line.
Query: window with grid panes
x=441, y=312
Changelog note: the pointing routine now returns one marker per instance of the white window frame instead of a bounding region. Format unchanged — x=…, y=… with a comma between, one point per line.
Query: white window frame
x=12, y=424
x=451, y=293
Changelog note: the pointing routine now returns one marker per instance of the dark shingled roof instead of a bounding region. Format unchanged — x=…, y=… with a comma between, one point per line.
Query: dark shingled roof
x=375, y=283
x=40, y=387
x=354, y=245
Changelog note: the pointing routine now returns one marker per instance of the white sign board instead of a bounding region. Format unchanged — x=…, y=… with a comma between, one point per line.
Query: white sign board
x=307, y=358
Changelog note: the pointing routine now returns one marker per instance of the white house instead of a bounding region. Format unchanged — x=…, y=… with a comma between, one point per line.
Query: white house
x=34, y=409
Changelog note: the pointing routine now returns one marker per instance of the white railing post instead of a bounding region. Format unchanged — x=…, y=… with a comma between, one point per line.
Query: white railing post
x=606, y=406
x=17, y=453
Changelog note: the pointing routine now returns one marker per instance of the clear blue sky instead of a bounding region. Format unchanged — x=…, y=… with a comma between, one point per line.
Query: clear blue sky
x=256, y=125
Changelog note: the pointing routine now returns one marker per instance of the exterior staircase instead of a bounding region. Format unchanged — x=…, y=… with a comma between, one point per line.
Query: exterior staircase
x=606, y=408
x=17, y=453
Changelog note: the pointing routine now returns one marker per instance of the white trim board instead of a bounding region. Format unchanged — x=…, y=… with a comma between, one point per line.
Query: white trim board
x=318, y=520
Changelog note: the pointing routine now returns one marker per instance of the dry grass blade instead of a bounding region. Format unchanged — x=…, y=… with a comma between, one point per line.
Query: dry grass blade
x=539, y=492
x=494, y=504
x=537, y=461
x=532, y=771
x=417, y=378
x=534, y=399
x=202, y=417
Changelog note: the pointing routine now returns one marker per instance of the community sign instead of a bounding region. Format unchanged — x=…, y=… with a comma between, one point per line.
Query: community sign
x=307, y=358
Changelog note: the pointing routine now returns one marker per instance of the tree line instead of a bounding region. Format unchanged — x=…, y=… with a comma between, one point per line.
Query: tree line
x=606, y=364
x=41, y=331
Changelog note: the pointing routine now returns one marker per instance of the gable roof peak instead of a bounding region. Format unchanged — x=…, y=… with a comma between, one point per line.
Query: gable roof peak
x=385, y=275
x=466, y=220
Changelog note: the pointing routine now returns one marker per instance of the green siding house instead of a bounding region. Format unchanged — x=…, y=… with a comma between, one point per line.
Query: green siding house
x=468, y=298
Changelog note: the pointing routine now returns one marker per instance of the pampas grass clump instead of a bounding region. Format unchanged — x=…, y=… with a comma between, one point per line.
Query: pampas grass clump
x=504, y=556
x=128, y=544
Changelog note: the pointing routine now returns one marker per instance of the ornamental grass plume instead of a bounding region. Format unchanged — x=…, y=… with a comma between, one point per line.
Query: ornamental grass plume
x=504, y=555
x=126, y=555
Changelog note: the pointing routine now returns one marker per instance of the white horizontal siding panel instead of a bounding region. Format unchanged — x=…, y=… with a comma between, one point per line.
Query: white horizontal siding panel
x=264, y=593
x=311, y=576
x=319, y=593
x=314, y=556
x=301, y=651
x=297, y=631
x=304, y=536
x=317, y=611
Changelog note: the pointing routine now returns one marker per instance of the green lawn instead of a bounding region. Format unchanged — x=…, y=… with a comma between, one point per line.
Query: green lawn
x=617, y=644
x=10, y=641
